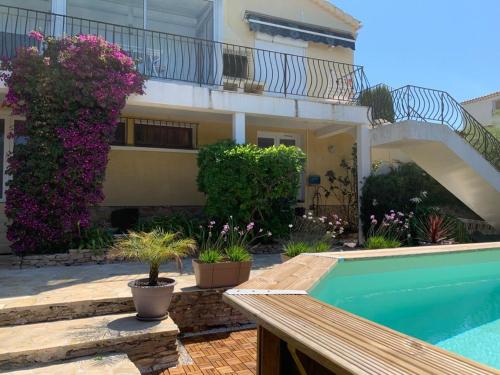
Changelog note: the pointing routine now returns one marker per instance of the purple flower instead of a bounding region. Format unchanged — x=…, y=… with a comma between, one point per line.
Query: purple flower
x=250, y=226
x=36, y=35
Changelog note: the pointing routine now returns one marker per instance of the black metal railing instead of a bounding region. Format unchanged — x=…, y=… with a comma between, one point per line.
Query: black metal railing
x=438, y=107
x=198, y=61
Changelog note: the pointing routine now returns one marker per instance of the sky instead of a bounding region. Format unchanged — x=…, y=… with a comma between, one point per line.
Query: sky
x=450, y=45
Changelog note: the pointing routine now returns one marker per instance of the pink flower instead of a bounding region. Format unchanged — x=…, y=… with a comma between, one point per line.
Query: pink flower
x=37, y=35
x=250, y=226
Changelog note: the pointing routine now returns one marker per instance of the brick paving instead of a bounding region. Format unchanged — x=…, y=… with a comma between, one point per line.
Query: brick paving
x=220, y=353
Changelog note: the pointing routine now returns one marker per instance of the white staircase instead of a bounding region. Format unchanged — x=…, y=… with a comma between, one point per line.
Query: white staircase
x=448, y=143
x=448, y=159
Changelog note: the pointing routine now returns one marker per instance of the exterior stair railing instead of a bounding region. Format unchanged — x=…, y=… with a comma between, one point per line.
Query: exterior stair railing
x=436, y=107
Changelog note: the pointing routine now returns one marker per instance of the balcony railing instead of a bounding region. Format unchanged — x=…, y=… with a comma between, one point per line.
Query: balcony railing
x=437, y=107
x=198, y=61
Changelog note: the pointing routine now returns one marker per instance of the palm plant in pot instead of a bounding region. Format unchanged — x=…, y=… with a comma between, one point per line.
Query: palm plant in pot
x=152, y=295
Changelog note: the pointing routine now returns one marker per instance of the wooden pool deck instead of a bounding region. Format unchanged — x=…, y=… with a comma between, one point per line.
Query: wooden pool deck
x=322, y=339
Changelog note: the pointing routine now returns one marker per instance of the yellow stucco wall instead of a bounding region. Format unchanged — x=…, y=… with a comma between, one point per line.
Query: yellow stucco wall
x=237, y=31
x=138, y=177
x=141, y=177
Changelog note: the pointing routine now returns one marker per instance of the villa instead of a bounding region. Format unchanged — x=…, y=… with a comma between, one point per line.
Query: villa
x=257, y=72
x=267, y=73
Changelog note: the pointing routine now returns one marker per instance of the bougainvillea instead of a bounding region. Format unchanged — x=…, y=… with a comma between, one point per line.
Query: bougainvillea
x=70, y=91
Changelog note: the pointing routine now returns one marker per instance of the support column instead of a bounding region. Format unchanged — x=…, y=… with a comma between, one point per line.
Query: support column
x=364, y=147
x=239, y=127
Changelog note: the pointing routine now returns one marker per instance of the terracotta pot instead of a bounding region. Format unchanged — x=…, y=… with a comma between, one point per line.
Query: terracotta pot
x=152, y=302
x=224, y=274
x=284, y=258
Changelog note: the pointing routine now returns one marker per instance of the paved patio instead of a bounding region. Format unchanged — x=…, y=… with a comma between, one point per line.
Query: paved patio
x=220, y=353
x=52, y=285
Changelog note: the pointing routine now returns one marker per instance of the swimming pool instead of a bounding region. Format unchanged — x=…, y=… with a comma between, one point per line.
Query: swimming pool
x=449, y=300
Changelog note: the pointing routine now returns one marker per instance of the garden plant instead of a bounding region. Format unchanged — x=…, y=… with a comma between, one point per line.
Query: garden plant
x=152, y=295
x=250, y=183
x=71, y=92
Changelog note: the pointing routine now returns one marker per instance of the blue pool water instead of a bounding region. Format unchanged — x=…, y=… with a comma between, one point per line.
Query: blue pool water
x=449, y=300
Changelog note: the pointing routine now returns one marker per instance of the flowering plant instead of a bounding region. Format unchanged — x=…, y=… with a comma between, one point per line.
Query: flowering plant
x=309, y=228
x=71, y=93
x=229, y=235
x=395, y=226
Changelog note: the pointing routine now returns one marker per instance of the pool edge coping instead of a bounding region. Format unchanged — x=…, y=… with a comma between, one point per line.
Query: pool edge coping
x=274, y=289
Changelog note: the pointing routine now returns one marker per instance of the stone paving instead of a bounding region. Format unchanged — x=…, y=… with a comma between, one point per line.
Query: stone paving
x=52, y=285
x=113, y=364
x=220, y=353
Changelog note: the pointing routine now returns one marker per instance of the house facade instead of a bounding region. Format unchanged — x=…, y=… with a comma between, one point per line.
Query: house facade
x=486, y=109
x=256, y=71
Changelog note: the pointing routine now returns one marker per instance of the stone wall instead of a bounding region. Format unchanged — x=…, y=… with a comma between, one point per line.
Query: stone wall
x=201, y=309
x=79, y=257
x=102, y=214
x=193, y=310
x=73, y=257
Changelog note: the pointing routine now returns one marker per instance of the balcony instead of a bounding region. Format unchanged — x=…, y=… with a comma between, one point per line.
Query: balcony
x=166, y=56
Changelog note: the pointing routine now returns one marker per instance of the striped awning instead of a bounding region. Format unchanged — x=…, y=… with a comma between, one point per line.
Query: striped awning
x=297, y=30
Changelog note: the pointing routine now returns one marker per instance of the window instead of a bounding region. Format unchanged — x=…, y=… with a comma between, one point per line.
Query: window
x=119, y=138
x=39, y=5
x=164, y=134
x=120, y=12
x=235, y=65
x=268, y=139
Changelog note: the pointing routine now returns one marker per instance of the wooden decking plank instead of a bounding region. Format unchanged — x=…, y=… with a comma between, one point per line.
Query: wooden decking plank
x=416, y=250
x=363, y=327
x=358, y=345
x=341, y=339
x=386, y=350
x=292, y=274
x=344, y=355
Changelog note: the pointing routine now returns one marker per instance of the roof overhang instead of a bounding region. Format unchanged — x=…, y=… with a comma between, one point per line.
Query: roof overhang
x=298, y=30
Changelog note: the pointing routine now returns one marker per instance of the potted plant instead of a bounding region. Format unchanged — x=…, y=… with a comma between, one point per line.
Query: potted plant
x=152, y=295
x=214, y=269
x=224, y=259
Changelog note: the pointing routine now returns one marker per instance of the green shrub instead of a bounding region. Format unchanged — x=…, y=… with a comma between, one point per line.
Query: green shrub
x=460, y=232
x=397, y=191
x=95, y=238
x=379, y=242
x=251, y=184
x=320, y=247
x=379, y=98
x=210, y=256
x=292, y=249
x=238, y=254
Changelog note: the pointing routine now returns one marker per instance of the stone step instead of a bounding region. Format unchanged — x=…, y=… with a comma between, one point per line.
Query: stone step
x=150, y=345
x=57, y=293
x=110, y=364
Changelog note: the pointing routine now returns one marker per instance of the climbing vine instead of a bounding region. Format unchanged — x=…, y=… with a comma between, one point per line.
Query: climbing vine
x=70, y=91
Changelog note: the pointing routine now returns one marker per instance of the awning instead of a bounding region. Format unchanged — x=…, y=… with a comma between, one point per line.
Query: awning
x=297, y=30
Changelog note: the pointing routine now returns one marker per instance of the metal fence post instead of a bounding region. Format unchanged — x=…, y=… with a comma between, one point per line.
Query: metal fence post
x=286, y=73
x=408, y=102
